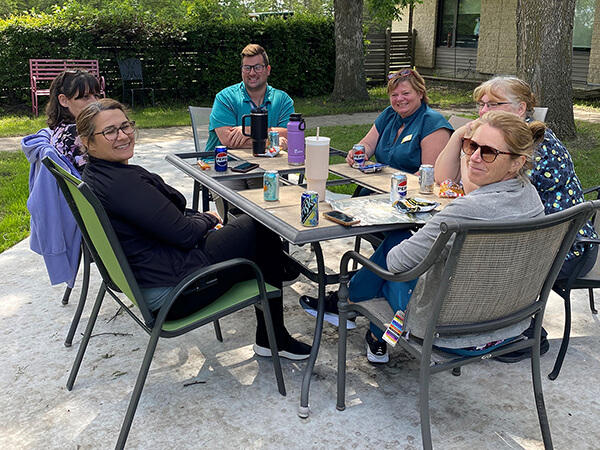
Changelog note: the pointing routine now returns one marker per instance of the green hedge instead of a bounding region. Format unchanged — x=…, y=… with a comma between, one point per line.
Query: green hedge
x=184, y=61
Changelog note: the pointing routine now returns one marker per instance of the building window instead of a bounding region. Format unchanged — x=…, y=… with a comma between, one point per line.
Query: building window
x=459, y=23
x=583, y=24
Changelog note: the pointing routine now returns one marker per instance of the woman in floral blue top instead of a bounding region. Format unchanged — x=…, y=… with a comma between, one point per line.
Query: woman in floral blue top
x=70, y=92
x=553, y=174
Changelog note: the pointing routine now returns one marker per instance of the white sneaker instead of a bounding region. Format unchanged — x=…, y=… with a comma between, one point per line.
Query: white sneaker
x=376, y=350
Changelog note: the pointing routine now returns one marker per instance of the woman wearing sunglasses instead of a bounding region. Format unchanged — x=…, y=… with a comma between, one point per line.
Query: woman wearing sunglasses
x=497, y=157
x=407, y=133
x=553, y=174
x=163, y=240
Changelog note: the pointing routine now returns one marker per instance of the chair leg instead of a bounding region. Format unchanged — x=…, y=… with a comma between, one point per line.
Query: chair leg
x=86, y=337
x=87, y=260
x=66, y=295
x=218, y=330
x=592, y=306
x=424, y=402
x=539, y=395
x=342, y=343
x=139, y=386
x=266, y=308
x=565, y=340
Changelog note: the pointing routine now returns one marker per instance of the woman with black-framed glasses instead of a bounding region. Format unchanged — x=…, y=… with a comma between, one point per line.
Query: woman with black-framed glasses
x=164, y=241
x=407, y=133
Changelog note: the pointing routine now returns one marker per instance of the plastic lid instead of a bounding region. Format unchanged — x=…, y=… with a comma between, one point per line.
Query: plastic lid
x=295, y=117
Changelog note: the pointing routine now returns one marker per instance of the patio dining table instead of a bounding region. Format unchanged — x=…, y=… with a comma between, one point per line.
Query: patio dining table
x=283, y=217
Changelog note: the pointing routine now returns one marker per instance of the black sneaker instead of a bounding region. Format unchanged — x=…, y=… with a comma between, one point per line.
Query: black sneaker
x=310, y=305
x=376, y=350
x=525, y=353
x=288, y=348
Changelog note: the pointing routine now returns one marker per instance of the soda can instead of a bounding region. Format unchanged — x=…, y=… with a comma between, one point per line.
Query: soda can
x=426, y=179
x=359, y=155
x=309, y=209
x=273, y=140
x=271, y=185
x=221, y=158
x=399, y=184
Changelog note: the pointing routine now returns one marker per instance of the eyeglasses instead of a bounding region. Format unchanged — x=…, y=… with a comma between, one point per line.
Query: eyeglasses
x=488, y=154
x=112, y=133
x=401, y=73
x=491, y=105
x=258, y=68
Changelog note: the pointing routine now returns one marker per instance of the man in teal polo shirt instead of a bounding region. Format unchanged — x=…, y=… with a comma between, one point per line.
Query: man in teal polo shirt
x=235, y=101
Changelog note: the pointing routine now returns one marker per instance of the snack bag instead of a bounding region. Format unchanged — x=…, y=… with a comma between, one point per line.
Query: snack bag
x=450, y=189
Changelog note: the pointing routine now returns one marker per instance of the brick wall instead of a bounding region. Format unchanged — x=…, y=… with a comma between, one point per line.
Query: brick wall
x=425, y=22
x=497, y=49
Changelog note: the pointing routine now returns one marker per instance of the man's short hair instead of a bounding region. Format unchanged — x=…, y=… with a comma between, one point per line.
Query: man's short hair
x=253, y=50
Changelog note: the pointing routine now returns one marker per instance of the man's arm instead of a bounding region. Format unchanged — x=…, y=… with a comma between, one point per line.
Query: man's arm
x=233, y=137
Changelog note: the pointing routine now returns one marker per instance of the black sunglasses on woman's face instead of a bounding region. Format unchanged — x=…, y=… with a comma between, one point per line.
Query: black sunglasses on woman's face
x=488, y=154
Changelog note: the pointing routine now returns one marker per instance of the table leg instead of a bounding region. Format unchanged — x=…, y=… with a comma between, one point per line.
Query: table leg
x=304, y=408
x=195, y=195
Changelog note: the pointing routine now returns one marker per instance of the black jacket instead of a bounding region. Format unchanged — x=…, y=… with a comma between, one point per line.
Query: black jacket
x=158, y=234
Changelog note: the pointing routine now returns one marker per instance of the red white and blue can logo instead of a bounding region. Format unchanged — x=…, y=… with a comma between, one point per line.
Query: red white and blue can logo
x=359, y=155
x=399, y=185
x=220, y=158
x=309, y=209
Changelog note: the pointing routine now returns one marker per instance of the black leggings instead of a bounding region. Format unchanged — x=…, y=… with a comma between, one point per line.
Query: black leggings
x=240, y=238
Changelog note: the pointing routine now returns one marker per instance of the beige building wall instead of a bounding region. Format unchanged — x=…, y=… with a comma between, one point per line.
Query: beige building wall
x=497, y=48
x=594, y=68
x=425, y=22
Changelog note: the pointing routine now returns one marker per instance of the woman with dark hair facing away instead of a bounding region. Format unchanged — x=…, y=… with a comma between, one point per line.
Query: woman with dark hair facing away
x=163, y=240
x=70, y=92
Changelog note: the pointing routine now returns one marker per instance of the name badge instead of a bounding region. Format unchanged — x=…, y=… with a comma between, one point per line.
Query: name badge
x=406, y=138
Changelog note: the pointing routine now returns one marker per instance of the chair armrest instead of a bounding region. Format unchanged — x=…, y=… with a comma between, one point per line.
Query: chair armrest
x=592, y=189
x=206, y=271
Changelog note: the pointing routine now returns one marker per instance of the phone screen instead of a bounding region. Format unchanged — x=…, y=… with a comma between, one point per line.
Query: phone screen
x=244, y=166
x=340, y=216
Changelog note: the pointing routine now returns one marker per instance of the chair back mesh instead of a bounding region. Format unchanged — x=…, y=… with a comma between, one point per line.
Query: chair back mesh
x=498, y=274
x=200, y=121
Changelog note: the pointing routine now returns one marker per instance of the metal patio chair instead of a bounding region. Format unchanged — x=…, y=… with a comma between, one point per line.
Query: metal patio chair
x=117, y=277
x=132, y=79
x=496, y=275
x=589, y=281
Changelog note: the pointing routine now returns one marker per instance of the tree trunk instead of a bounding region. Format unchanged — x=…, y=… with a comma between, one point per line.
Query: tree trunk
x=544, y=58
x=350, y=80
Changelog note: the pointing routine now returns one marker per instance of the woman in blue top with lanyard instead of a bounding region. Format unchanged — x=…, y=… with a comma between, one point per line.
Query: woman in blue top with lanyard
x=407, y=133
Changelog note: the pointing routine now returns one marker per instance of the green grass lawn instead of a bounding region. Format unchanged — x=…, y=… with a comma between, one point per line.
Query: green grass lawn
x=14, y=190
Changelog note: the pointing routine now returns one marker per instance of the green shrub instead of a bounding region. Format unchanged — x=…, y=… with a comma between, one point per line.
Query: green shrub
x=184, y=59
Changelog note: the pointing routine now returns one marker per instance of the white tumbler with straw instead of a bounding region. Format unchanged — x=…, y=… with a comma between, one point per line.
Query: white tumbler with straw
x=317, y=163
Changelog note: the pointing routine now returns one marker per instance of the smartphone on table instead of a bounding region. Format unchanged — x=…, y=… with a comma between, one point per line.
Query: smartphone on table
x=341, y=218
x=244, y=167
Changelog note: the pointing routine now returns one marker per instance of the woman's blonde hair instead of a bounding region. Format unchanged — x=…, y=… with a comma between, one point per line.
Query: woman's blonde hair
x=502, y=88
x=521, y=137
x=86, y=120
x=413, y=77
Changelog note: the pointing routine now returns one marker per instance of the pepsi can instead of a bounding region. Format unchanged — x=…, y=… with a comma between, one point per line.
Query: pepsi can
x=426, y=179
x=399, y=184
x=359, y=155
x=271, y=185
x=309, y=209
x=221, y=158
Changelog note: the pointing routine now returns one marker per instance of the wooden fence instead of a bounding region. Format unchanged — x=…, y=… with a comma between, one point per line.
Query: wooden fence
x=387, y=52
